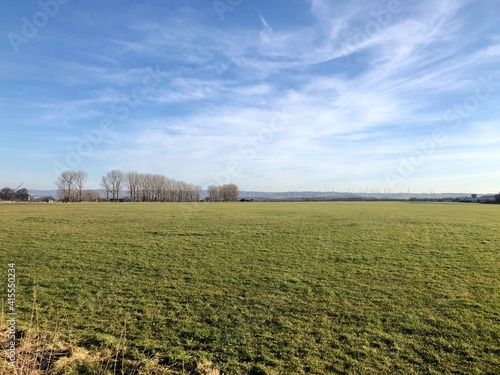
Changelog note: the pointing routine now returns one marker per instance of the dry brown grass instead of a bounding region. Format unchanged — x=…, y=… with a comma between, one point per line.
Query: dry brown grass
x=36, y=353
x=42, y=353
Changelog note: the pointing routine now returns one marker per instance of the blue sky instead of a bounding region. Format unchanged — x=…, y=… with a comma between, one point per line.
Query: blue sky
x=304, y=94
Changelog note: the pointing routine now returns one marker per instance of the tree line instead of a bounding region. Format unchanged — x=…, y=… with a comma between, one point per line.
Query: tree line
x=9, y=194
x=140, y=187
x=70, y=185
x=147, y=187
x=223, y=193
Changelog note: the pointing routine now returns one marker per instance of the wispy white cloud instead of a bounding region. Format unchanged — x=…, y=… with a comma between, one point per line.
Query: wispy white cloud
x=266, y=34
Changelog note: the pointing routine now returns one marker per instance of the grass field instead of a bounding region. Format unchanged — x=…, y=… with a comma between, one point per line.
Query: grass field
x=256, y=288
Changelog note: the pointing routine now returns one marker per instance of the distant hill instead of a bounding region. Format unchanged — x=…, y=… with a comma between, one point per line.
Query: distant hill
x=263, y=195
x=43, y=193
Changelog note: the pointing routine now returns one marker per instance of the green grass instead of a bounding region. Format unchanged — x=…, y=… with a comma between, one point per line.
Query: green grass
x=288, y=288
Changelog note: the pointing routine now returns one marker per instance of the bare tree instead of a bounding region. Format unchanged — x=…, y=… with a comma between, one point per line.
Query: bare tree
x=106, y=185
x=231, y=192
x=118, y=178
x=214, y=193
x=226, y=193
x=70, y=185
x=66, y=184
x=90, y=196
x=170, y=190
x=147, y=187
x=79, y=180
x=133, y=181
x=197, y=193
x=113, y=181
